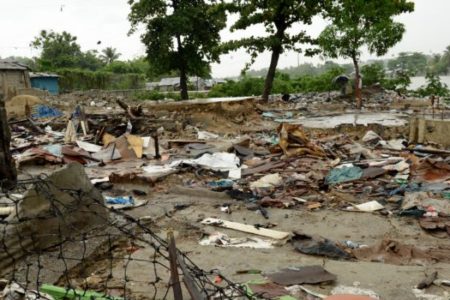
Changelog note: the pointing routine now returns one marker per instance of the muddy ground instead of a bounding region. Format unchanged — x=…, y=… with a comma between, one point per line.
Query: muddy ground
x=182, y=189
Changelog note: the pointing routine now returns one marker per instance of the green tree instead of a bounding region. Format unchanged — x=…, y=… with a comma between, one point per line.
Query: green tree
x=181, y=35
x=90, y=60
x=277, y=17
x=59, y=50
x=434, y=86
x=440, y=63
x=30, y=62
x=415, y=63
x=110, y=55
x=373, y=73
x=358, y=23
x=399, y=81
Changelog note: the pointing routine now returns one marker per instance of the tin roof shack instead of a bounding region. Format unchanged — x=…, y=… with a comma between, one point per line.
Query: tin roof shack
x=171, y=84
x=45, y=81
x=13, y=78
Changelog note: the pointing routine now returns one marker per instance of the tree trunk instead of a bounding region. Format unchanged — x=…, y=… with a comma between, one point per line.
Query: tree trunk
x=8, y=175
x=358, y=95
x=276, y=52
x=183, y=84
x=183, y=76
x=271, y=73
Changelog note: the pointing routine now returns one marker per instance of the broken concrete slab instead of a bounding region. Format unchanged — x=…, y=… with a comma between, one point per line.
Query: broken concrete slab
x=62, y=206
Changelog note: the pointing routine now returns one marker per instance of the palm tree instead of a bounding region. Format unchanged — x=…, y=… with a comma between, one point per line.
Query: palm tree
x=110, y=54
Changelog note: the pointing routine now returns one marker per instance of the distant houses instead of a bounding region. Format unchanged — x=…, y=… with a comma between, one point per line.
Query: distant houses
x=14, y=76
x=45, y=81
x=172, y=84
x=16, y=79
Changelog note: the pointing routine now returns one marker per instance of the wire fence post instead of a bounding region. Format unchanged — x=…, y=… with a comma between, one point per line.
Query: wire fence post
x=174, y=275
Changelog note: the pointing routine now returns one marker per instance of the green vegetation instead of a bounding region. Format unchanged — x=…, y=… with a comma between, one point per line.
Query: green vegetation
x=278, y=18
x=182, y=39
x=305, y=69
x=156, y=95
x=59, y=50
x=399, y=81
x=373, y=73
x=61, y=54
x=251, y=86
x=77, y=79
x=181, y=35
x=414, y=63
x=109, y=55
x=440, y=64
x=359, y=23
x=434, y=87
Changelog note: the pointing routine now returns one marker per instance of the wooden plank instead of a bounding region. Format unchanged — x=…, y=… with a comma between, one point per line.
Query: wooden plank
x=178, y=143
x=174, y=276
x=263, y=168
x=274, y=234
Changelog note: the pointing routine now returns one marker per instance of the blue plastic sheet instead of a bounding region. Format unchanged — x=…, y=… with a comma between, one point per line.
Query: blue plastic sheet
x=124, y=200
x=344, y=174
x=44, y=111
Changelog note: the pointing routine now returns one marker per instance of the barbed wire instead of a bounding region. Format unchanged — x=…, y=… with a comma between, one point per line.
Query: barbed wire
x=71, y=238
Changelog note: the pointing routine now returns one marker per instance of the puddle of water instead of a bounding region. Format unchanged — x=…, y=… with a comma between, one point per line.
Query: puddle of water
x=384, y=119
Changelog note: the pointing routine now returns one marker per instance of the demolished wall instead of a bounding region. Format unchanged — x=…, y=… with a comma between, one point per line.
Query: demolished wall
x=52, y=211
x=424, y=131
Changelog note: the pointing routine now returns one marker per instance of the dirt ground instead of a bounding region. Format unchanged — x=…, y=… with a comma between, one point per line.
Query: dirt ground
x=389, y=281
x=185, y=189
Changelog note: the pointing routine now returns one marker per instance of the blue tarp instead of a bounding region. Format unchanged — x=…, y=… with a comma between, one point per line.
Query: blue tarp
x=44, y=111
x=343, y=174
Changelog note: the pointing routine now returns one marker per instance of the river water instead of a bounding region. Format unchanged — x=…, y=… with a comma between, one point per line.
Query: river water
x=417, y=82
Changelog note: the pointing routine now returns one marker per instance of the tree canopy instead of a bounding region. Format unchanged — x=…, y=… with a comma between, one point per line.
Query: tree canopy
x=110, y=55
x=277, y=17
x=414, y=62
x=59, y=50
x=358, y=23
x=181, y=35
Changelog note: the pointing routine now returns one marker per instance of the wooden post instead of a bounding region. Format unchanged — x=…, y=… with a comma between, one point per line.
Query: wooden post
x=8, y=175
x=189, y=282
x=156, y=139
x=174, y=276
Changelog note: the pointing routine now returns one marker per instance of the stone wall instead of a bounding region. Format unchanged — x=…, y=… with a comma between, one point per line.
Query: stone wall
x=424, y=131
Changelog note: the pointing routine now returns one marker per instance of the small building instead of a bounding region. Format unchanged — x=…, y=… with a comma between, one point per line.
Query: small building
x=45, y=81
x=14, y=77
x=151, y=86
x=210, y=83
x=171, y=84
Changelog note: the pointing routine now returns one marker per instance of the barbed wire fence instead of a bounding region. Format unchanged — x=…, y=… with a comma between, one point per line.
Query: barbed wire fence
x=68, y=237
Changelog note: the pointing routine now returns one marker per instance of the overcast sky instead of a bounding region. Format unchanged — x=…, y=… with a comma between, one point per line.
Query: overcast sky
x=106, y=21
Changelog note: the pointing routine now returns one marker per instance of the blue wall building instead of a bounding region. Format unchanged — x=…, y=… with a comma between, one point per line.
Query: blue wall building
x=45, y=81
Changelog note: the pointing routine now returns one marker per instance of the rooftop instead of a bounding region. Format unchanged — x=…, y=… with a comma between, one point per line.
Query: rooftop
x=12, y=65
x=36, y=75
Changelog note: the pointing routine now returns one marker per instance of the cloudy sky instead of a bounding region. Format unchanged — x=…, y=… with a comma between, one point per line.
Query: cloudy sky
x=106, y=21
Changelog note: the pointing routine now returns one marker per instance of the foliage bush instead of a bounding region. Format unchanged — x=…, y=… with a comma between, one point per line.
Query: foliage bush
x=319, y=83
x=434, y=87
x=399, y=81
x=157, y=95
x=252, y=86
x=76, y=80
x=373, y=73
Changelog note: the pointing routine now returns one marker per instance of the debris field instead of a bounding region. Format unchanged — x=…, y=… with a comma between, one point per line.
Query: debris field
x=306, y=199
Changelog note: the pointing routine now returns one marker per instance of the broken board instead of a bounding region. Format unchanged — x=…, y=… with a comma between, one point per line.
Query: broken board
x=277, y=235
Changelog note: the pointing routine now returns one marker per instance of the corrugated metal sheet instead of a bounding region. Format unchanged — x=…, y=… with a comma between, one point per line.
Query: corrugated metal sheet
x=43, y=75
x=12, y=65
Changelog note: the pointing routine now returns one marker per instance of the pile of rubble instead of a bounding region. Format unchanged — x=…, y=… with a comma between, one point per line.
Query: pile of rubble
x=284, y=166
